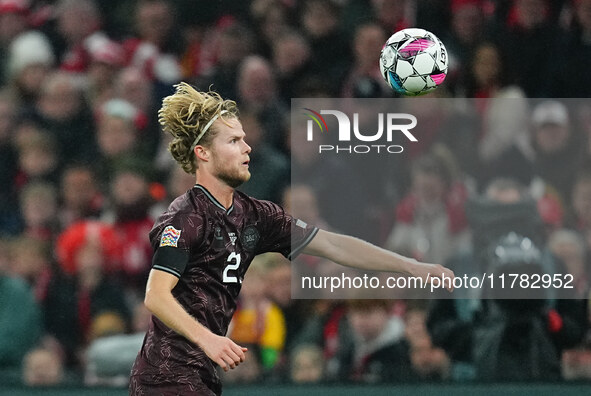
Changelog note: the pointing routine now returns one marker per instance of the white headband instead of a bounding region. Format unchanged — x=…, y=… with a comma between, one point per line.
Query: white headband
x=206, y=127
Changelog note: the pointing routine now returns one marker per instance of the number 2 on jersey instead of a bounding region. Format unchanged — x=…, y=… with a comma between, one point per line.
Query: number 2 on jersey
x=231, y=267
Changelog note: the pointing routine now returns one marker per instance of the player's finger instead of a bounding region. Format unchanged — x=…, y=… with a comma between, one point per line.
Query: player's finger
x=236, y=359
x=222, y=364
x=229, y=362
x=239, y=351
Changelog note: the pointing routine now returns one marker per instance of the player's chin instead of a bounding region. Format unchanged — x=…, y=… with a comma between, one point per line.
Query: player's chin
x=244, y=175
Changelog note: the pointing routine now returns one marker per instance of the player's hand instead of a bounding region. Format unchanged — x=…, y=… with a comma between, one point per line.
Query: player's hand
x=225, y=352
x=427, y=272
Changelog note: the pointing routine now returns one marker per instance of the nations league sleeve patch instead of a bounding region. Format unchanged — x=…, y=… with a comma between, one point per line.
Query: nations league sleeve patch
x=170, y=237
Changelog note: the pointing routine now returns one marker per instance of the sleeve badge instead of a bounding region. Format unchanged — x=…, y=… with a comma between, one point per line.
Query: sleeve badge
x=170, y=237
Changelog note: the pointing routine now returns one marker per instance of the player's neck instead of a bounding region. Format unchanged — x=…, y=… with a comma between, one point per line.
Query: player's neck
x=223, y=193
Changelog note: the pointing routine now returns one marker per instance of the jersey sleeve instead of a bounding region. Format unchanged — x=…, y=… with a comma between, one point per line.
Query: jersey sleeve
x=283, y=233
x=172, y=238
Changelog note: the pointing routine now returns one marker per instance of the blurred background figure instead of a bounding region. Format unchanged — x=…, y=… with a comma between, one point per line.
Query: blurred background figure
x=428, y=363
x=61, y=110
x=331, y=55
x=83, y=286
x=257, y=91
x=430, y=220
x=369, y=38
x=13, y=21
x=257, y=320
x=30, y=59
x=306, y=365
x=466, y=30
x=43, y=367
x=21, y=319
x=291, y=57
x=369, y=346
x=569, y=247
x=129, y=212
x=80, y=195
x=39, y=210
x=119, y=135
x=157, y=44
x=110, y=355
x=269, y=167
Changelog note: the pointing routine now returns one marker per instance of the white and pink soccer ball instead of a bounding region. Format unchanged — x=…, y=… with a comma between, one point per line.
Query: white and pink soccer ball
x=413, y=62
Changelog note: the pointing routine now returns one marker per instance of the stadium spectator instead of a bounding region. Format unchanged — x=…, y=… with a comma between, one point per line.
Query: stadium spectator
x=569, y=247
x=467, y=30
x=393, y=15
x=30, y=58
x=257, y=321
x=84, y=287
x=13, y=21
x=119, y=128
x=32, y=261
x=80, y=195
x=43, y=367
x=555, y=140
x=20, y=316
x=527, y=33
x=9, y=221
x=291, y=57
x=130, y=202
x=106, y=59
x=61, y=110
x=369, y=348
x=271, y=18
x=230, y=42
x=78, y=24
x=269, y=166
x=369, y=38
x=38, y=156
x=324, y=181
x=428, y=363
x=109, y=357
x=430, y=221
x=157, y=46
x=257, y=92
x=331, y=55
x=502, y=138
x=39, y=210
x=306, y=365
x=278, y=289
x=133, y=86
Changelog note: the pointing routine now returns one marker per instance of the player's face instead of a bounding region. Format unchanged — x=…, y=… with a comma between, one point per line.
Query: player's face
x=230, y=153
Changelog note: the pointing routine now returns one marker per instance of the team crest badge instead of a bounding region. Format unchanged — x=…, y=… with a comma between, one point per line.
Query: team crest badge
x=250, y=237
x=170, y=237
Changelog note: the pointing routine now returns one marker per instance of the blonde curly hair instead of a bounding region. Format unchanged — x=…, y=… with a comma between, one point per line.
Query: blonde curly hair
x=185, y=114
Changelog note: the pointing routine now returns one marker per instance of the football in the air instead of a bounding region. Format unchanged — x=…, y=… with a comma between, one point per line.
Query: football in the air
x=413, y=62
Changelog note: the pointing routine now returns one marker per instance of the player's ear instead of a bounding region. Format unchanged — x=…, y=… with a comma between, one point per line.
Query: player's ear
x=201, y=153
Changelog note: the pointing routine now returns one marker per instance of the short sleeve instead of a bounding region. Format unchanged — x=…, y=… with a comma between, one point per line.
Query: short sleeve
x=172, y=238
x=283, y=233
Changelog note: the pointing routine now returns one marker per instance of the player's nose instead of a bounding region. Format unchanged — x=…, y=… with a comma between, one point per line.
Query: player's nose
x=247, y=148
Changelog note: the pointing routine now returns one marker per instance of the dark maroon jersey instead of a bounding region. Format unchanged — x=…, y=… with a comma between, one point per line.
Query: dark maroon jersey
x=220, y=245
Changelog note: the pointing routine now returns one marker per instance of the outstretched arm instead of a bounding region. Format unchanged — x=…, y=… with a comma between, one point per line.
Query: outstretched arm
x=354, y=252
x=160, y=301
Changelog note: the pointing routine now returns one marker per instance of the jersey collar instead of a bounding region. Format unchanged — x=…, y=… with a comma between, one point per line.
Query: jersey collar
x=213, y=200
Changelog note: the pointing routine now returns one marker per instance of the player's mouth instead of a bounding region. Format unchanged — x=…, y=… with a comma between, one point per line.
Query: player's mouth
x=245, y=163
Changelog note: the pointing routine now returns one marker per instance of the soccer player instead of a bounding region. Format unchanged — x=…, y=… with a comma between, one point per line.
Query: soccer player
x=205, y=242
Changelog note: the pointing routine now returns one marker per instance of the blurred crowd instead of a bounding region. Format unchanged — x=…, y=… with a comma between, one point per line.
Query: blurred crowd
x=84, y=170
